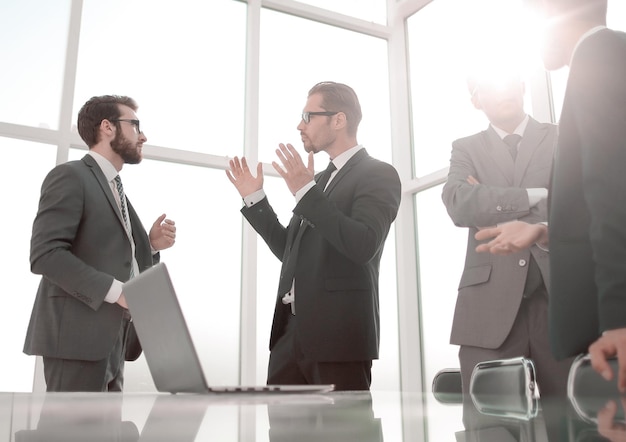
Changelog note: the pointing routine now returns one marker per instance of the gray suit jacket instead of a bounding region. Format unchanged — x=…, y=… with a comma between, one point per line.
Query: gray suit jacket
x=491, y=287
x=337, y=309
x=79, y=245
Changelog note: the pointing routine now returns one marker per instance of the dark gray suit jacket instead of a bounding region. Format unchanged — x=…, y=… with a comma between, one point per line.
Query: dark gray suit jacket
x=491, y=287
x=79, y=245
x=588, y=198
x=337, y=309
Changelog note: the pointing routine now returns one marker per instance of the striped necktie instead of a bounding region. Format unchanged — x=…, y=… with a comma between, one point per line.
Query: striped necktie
x=120, y=191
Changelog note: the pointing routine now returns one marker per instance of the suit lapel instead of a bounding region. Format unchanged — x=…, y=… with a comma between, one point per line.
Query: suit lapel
x=341, y=173
x=496, y=150
x=531, y=141
x=106, y=188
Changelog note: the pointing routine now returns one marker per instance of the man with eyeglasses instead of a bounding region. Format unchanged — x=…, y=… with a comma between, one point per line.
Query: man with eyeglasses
x=87, y=240
x=326, y=327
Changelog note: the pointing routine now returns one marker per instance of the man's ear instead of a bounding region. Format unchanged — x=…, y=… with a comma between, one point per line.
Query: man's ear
x=107, y=130
x=107, y=126
x=476, y=101
x=340, y=120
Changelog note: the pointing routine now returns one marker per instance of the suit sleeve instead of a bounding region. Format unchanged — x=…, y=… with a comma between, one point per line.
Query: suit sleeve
x=54, y=231
x=479, y=205
x=263, y=219
x=600, y=112
x=358, y=230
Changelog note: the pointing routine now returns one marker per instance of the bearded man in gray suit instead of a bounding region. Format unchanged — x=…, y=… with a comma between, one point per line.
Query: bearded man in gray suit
x=497, y=176
x=87, y=241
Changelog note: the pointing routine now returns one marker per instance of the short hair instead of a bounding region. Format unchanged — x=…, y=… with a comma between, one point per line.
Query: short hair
x=96, y=109
x=338, y=97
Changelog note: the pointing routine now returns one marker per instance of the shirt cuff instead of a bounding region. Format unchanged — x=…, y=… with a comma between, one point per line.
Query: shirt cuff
x=114, y=292
x=536, y=195
x=303, y=190
x=254, y=198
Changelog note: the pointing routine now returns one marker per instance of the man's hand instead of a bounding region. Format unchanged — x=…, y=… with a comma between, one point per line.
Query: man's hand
x=512, y=237
x=611, y=343
x=162, y=233
x=608, y=426
x=241, y=177
x=122, y=301
x=294, y=172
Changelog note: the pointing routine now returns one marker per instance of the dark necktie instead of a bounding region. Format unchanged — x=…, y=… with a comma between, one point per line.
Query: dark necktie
x=325, y=175
x=120, y=191
x=290, y=256
x=512, y=141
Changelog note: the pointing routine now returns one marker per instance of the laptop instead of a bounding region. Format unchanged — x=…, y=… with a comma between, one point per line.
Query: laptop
x=171, y=356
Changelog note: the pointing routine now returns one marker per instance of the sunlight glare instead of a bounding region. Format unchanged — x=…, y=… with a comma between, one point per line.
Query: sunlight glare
x=510, y=42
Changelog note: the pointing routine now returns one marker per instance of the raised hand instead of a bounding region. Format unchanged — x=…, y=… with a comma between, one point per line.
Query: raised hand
x=293, y=170
x=241, y=177
x=162, y=233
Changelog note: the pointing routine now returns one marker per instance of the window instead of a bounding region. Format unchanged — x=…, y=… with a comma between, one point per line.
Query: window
x=182, y=62
x=34, y=38
x=369, y=10
x=21, y=284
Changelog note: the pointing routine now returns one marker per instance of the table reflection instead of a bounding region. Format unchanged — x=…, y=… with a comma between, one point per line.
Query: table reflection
x=80, y=418
x=341, y=416
x=186, y=417
x=344, y=419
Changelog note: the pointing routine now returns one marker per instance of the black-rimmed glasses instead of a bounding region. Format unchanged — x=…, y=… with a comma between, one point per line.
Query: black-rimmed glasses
x=306, y=116
x=133, y=122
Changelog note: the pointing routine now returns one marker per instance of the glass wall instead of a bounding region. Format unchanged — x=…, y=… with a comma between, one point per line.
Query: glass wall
x=183, y=62
x=368, y=10
x=26, y=164
x=34, y=39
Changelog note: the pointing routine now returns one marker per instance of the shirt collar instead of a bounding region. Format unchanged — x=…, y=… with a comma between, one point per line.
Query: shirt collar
x=519, y=130
x=107, y=167
x=340, y=160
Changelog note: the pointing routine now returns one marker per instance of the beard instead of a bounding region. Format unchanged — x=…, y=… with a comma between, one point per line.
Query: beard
x=321, y=143
x=130, y=153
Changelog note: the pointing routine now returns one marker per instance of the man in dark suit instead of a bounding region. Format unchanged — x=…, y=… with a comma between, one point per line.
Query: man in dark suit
x=326, y=326
x=87, y=241
x=497, y=176
x=587, y=213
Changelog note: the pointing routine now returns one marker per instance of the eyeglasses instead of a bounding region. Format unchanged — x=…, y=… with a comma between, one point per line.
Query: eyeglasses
x=133, y=122
x=306, y=116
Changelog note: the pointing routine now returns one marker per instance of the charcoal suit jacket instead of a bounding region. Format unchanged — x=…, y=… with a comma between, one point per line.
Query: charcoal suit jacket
x=336, y=280
x=587, y=222
x=79, y=245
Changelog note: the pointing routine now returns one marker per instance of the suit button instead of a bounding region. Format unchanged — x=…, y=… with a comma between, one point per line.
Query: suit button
x=499, y=208
x=522, y=262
